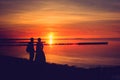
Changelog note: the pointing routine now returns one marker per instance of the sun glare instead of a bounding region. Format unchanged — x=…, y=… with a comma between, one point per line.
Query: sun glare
x=51, y=38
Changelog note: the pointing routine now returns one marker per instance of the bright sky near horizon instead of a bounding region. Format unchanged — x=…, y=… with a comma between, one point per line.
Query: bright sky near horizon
x=63, y=18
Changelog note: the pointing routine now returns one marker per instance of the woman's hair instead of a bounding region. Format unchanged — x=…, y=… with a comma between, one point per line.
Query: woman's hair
x=39, y=39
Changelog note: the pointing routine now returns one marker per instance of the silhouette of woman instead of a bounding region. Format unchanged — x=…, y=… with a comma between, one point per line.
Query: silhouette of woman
x=40, y=56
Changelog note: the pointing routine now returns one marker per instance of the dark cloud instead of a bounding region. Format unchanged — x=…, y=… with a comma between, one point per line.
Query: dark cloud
x=8, y=7
x=104, y=5
x=10, y=31
x=16, y=6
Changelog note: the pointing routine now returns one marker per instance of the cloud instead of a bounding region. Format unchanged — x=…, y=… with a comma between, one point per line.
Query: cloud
x=104, y=5
x=17, y=6
x=36, y=11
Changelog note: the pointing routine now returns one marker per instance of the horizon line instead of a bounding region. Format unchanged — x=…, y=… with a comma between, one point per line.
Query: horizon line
x=61, y=38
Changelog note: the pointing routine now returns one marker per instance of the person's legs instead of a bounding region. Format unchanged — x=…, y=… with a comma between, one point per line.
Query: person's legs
x=31, y=57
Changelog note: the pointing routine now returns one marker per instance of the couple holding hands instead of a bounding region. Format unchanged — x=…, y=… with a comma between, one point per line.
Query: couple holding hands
x=40, y=56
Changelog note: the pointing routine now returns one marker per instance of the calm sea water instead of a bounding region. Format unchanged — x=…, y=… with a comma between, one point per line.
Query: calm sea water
x=74, y=55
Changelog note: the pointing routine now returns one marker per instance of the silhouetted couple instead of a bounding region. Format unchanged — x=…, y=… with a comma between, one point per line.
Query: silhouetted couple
x=40, y=56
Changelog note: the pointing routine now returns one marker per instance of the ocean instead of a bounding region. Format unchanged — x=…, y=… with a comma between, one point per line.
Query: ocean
x=86, y=56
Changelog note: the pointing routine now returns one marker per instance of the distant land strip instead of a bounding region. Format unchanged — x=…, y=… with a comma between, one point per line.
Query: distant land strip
x=79, y=43
x=116, y=39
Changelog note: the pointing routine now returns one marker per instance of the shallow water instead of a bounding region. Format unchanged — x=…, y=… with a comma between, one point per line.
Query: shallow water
x=85, y=55
x=76, y=55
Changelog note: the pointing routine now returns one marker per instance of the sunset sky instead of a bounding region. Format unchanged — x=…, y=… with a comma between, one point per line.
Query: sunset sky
x=62, y=18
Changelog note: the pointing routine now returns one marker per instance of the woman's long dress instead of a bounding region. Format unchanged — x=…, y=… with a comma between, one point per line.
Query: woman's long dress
x=40, y=56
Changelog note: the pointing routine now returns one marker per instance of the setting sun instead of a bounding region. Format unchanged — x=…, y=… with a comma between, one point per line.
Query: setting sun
x=51, y=38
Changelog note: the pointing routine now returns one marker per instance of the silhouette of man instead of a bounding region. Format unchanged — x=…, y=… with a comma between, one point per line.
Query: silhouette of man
x=30, y=49
x=40, y=56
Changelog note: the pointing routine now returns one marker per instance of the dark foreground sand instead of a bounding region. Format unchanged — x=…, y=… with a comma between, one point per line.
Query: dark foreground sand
x=21, y=69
